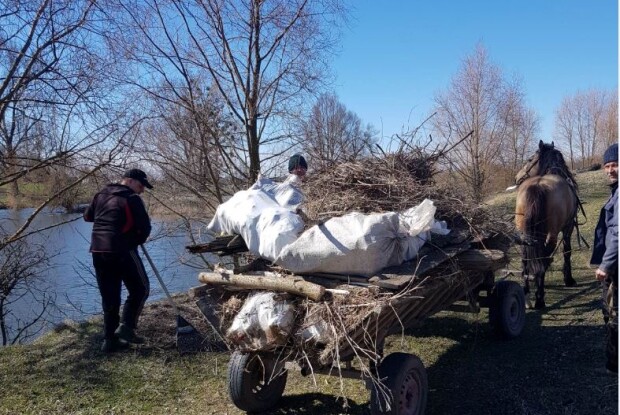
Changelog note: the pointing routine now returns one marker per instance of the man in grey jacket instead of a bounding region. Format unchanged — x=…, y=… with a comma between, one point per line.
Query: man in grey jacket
x=605, y=256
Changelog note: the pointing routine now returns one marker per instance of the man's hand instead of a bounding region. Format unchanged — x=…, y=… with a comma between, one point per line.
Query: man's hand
x=600, y=274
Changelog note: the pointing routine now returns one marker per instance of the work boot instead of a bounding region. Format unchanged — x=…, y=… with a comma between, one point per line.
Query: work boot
x=113, y=345
x=128, y=334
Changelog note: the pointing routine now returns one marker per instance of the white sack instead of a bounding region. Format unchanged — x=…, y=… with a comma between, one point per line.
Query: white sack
x=317, y=333
x=263, y=323
x=360, y=244
x=264, y=216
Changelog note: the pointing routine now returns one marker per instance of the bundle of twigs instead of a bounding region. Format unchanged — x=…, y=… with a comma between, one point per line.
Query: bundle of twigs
x=393, y=182
x=375, y=184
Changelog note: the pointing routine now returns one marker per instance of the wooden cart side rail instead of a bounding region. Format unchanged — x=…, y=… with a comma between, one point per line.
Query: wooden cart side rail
x=433, y=295
x=462, y=256
x=440, y=293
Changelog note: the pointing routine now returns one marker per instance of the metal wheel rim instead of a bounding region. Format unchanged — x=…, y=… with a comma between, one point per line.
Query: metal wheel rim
x=409, y=395
x=258, y=373
x=514, y=312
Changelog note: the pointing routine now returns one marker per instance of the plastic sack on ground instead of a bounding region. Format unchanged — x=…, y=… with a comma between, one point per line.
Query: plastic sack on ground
x=264, y=216
x=264, y=322
x=361, y=244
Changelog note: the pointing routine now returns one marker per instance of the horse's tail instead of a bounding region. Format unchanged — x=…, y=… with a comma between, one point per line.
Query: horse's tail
x=535, y=255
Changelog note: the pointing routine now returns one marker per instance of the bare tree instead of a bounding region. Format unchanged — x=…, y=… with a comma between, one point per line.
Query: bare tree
x=609, y=128
x=586, y=123
x=479, y=100
x=334, y=134
x=37, y=41
x=522, y=129
x=21, y=265
x=61, y=119
x=193, y=146
x=262, y=56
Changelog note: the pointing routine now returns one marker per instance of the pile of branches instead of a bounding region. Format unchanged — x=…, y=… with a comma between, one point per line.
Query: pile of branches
x=393, y=182
x=374, y=184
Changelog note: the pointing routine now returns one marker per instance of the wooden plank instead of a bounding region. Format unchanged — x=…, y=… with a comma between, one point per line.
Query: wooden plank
x=396, y=278
x=207, y=307
x=339, y=277
x=198, y=292
x=221, y=245
x=482, y=259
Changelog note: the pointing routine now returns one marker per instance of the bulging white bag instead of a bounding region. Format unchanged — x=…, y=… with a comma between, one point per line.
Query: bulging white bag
x=264, y=216
x=360, y=244
x=264, y=322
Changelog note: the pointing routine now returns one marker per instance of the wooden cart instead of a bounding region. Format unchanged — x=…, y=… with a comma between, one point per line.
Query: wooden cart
x=455, y=274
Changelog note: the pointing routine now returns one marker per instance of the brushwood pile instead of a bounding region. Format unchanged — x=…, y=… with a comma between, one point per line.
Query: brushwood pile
x=395, y=182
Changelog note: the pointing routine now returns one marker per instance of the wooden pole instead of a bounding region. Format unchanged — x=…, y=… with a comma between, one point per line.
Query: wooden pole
x=268, y=281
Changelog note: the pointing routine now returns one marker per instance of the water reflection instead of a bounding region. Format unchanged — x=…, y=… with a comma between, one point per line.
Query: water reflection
x=69, y=279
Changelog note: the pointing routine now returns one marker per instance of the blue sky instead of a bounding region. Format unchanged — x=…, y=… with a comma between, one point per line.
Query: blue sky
x=396, y=55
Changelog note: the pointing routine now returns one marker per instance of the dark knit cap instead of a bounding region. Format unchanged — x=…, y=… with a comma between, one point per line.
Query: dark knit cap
x=297, y=160
x=611, y=154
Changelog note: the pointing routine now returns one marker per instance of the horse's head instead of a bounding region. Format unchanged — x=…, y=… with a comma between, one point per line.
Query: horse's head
x=547, y=159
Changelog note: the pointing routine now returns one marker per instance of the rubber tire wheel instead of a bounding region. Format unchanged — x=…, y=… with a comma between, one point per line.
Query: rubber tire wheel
x=404, y=376
x=249, y=384
x=507, y=309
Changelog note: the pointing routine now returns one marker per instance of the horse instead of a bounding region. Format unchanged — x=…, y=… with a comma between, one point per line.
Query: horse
x=546, y=205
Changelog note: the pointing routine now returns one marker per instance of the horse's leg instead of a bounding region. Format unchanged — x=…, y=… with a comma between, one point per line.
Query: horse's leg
x=526, y=289
x=567, y=232
x=526, y=281
x=545, y=260
x=540, y=290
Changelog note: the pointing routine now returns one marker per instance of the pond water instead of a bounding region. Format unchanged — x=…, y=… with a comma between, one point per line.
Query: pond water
x=69, y=279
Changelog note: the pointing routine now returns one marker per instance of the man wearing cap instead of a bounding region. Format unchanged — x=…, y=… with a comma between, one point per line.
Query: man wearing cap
x=120, y=224
x=297, y=165
x=605, y=256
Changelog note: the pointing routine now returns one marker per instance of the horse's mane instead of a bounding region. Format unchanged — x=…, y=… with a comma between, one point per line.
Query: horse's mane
x=551, y=161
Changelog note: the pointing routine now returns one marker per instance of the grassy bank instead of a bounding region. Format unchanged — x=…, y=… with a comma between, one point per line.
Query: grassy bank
x=554, y=367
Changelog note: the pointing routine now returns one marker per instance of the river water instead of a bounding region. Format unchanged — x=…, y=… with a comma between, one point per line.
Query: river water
x=69, y=279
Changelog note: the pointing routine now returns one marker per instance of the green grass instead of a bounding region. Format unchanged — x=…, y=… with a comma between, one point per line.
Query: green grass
x=554, y=367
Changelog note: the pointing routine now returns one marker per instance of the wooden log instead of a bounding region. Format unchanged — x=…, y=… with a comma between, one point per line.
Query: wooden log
x=268, y=281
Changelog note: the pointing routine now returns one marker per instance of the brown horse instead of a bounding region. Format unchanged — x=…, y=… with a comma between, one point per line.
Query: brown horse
x=546, y=205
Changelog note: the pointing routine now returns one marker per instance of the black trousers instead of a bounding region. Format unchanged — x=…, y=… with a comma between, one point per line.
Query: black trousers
x=113, y=270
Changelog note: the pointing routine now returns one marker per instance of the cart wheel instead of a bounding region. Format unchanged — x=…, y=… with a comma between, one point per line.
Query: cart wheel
x=406, y=386
x=255, y=381
x=507, y=309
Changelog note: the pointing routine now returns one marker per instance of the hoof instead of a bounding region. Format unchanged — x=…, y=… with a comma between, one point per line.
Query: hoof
x=539, y=305
x=570, y=283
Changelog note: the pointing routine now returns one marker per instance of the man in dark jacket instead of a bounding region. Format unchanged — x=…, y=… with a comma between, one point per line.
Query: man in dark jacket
x=605, y=256
x=121, y=223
